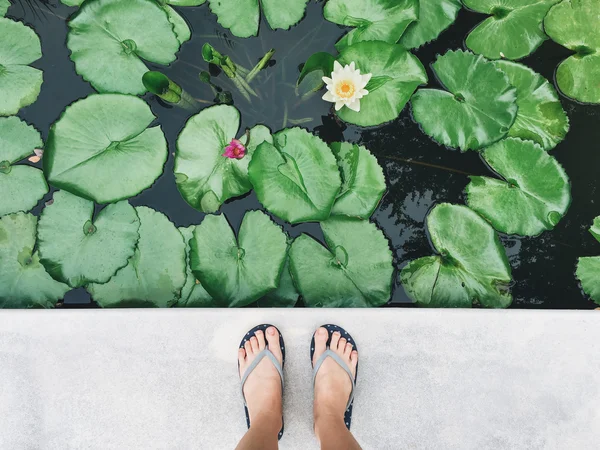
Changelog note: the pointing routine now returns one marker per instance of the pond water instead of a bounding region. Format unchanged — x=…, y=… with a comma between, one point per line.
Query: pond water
x=419, y=172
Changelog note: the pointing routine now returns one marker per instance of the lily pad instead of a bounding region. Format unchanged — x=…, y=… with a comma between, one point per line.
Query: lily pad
x=205, y=178
x=574, y=25
x=396, y=75
x=296, y=179
x=363, y=182
x=373, y=20
x=22, y=186
x=237, y=272
x=110, y=39
x=4, y=5
x=242, y=17
x=193, y=294
x=286, y=295
x=155, y=274
x=19, y=84
x=102, y=150
x=24, y=283
x=435, y=16
x=540, y=117
x=533, y=194
x=471, y=268
x=588, y=268
x=514, y=29
x=354, y=270
x=77, y=248
x=477, y=108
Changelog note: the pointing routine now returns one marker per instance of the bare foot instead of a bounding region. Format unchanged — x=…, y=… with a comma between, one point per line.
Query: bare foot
x=262, y=389
x=332, y=384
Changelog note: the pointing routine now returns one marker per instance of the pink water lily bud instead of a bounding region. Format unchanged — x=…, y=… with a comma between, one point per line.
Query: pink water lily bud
x=235, y=150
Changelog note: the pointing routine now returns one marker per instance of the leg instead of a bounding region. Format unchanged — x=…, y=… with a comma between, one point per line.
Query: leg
x=332, y=390
x=262, y=392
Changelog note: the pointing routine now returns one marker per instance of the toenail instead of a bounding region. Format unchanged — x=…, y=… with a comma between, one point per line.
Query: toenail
x=271, y=331
x=322, y=331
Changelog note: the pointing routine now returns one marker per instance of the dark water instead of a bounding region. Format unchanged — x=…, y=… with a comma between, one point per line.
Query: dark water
x=420, y=173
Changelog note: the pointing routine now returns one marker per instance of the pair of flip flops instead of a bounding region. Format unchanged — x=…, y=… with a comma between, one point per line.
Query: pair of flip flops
x=266, y=353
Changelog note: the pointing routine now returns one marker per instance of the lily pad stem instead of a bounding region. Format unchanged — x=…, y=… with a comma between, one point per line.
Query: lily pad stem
x=260, y=66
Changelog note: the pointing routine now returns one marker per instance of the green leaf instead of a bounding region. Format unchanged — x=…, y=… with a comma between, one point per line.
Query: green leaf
x=355, y=270
x=205, y=178
x=434, y=17
x=540, y=117
x=186, y=2
x=237, y=272
x=595, y=229
x=180, y=26
x=102, y=150
x=155, y=274
x=19, y=84
x=533, y=195
x=471, y=269
x=24, y=283
x=298, y=180
x=363, y=182
x=77, y=249
x=109, y=39
x=21, y=186
x=477, y=108
x=193, y=294
x=385, y=104
x=574, y=25
x=588, y=272
x=242, y=17
x=4, y=5
x=286, y=295
x=514, y=29
x=374, y=20
x=322, y=63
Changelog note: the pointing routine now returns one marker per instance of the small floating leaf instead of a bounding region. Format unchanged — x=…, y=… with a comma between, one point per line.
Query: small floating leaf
x=286, y=295
x=434, y=17
x=4, y=5
x=193, y=294
x=588, y=268
x=322, y=64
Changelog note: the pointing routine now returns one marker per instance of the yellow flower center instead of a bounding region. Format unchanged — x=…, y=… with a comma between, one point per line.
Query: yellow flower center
x=345, y=89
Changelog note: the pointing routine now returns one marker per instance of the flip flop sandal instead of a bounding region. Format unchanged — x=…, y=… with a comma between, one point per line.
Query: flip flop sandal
x=266, y=353
x=331, y=354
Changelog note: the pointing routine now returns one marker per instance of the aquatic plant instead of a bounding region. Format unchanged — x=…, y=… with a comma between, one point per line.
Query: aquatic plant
x=588, y=268
x=4, y=5
x=346, y=86
x=435, y=16
x=162, y=86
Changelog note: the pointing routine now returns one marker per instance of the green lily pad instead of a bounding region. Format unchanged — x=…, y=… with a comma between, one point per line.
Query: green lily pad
x=574, y=25
x=77, y=248
x=396, y=75
x=19, y=84
x=435, y=16
x=22, y=186
x=205, y=178
x=471, y=268
x=155, y=274
x=354, y=270
x=363, y=182
x=242, y=17
x=24, y=283
x=193, y=294
x=102, y=150
x=110, y=39
x=374, y=20
x=477, y=108
x=297, y=179
x=286, y=295
x=514, y=29
x=4, y=5
x=237, y=272
x=540, y=117
x=588, y=268
x=533, y=194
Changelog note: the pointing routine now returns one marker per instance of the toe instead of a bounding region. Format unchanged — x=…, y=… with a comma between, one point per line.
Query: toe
x=248, y=348
x=274, y=344
x=241, y=357
x=335, y=338
x=354, y=360
x=254, y=343
x=321, y=336
x=348, y=350
x=341, y=346
x=260, y=337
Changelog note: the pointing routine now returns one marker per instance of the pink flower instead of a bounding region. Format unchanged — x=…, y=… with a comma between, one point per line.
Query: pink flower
x=235, y=150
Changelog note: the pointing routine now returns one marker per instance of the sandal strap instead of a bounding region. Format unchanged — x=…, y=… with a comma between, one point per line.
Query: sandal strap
x=331, y=354
x=266, y=353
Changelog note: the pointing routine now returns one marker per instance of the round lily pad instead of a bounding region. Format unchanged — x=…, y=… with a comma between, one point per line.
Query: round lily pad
x=19, y=84
x=373, y=20
x=477, y=108
x=540, y=117
x=354, y=270
x=533, y=194
x=193, y=294
x=205, y=178
x=286, y=295
x=363, y=182
x=574, y=25
x=471, y=268
x=434, y=17
x=21, y=186
x=237, y=272
x=102, y=149
x=24, y=283
x=396, y=74
x=514, y=29
x=588, y=268
x=155, y=274
x=78, y=248
x=110, y=39
x=296, y=179
x=242, y=17
x=4, y=5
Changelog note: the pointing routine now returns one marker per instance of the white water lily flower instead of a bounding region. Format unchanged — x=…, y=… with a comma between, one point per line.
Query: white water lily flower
x=346, y=86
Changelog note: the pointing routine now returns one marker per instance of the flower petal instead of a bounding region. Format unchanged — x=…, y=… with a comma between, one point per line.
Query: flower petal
x=337, y=67
x=339, y=105
x=327, y=80
x=329, y=97
x=354, y=106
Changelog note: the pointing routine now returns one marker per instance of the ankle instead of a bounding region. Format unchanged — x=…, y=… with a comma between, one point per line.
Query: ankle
x=267, y=422
x=326, y=420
